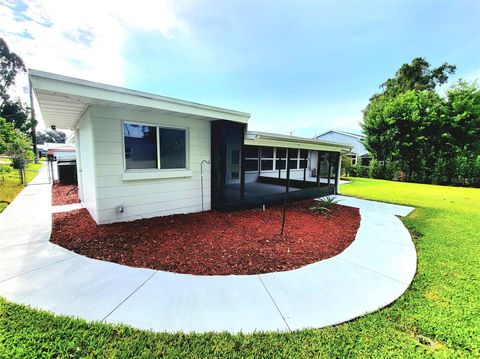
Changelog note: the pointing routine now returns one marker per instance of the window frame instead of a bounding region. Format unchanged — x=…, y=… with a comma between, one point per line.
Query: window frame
x=158, y=169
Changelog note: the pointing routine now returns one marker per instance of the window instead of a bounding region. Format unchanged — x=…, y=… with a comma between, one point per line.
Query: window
x=146, y=145
x=172, y=148
x=140, y=146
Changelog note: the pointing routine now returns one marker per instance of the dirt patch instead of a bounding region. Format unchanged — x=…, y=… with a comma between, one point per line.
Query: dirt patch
x=64, y=194
x=213, y=243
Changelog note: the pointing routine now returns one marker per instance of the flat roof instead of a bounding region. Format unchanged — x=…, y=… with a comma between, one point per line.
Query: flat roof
x=351, y=134
x=63, y=100
x=256, y=138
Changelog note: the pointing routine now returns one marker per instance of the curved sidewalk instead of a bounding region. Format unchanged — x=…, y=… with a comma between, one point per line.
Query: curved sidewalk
x=374, y=271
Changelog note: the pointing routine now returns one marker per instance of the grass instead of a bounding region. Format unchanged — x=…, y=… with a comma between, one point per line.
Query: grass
x=10, y=184
x=438, y=316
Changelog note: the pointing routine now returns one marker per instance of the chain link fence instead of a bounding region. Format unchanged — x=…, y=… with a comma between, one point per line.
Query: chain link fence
x=17, y=168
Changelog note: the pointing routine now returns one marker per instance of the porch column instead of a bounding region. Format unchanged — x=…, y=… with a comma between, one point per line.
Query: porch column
x=339, y=174
x=319, y=161
x=242, y=173
x=329, y=168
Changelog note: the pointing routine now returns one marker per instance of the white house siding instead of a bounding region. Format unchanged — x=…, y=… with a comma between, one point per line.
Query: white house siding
x=86, y=164
x=148, y=197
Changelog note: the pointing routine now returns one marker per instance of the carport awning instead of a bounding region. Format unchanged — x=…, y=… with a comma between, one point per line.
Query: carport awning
x=63, y=100
x=253, y=138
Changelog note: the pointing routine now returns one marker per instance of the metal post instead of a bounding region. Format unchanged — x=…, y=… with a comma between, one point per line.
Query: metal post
x=329, y=168
x=338, y=174
x=242, y=172
x=319, y=162
x=19, y=163
x=259, y=159
x=201, y=178
x=287, y=187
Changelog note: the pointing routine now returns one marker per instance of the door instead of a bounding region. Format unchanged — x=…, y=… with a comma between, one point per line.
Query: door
x=233, y=164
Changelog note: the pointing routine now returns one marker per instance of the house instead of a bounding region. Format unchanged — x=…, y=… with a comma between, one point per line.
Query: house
x=142, y=155
x=359, y=154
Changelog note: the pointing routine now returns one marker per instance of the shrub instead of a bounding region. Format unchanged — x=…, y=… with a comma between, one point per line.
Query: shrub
x=347, y=167
x=362, y=171
x=375, y=170
x=4, y=168
x=324, y=205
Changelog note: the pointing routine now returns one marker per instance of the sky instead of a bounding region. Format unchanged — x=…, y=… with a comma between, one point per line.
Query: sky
x=299, y=67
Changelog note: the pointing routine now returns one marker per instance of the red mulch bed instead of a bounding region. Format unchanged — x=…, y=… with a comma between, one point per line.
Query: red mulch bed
x=64, y=194
x=213, y=243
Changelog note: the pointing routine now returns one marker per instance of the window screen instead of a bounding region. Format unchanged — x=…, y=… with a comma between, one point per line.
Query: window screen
x=251, y=165
x=293, y=164
x=267, y=152
x=281, y=164
x=140, y=146
x=251, y=152
x=281, y=152
x=267, y=165
x=172, y=148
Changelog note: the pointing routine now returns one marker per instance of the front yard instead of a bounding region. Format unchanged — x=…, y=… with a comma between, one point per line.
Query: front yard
x=10, y=184
x=438, y=315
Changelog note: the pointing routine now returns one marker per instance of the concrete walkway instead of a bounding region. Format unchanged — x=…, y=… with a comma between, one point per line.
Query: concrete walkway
x=375, y=270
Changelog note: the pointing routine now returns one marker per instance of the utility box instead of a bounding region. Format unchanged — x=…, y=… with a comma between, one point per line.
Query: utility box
x=67, y=172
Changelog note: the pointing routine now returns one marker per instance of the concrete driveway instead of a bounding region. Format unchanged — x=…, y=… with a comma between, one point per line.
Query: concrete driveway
x=374, y=271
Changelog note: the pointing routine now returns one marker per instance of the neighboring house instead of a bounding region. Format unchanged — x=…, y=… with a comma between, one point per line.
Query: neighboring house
x=58, y=150
x=142, y=155
x=359, y=154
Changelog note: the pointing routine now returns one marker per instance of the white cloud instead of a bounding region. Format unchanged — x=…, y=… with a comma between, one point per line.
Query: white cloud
x=81, y=38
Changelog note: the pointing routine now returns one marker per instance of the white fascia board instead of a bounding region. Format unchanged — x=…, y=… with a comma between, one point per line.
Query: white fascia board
x=276, y=140
x=93, y=92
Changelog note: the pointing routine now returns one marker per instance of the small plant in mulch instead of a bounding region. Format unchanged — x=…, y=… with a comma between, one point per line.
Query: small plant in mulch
x=324, y=205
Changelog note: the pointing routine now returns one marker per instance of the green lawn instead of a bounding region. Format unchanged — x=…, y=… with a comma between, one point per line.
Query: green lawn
x=438, y=316
x=10, y=184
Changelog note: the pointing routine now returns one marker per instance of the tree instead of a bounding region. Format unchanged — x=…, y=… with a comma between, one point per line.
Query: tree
x=10, y=65
x=463, y=101
x=417, y=76
x=18, y=114
x=399, y=122
x=15, y=144
x=406, y=129
x=51, y=136
x=7, y=134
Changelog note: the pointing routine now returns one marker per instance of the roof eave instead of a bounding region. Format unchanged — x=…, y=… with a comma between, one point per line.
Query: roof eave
x=92, y=93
